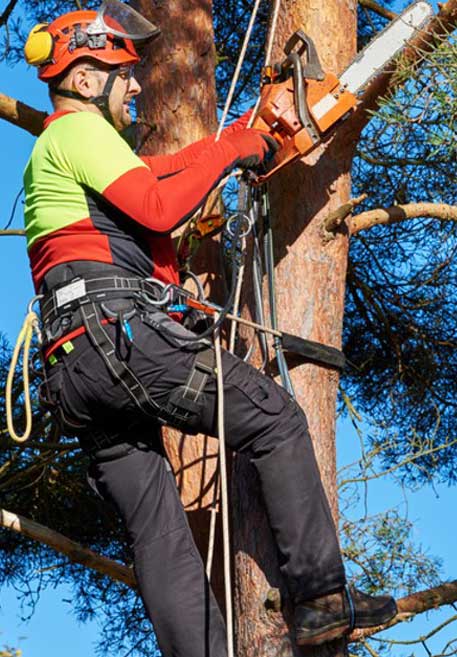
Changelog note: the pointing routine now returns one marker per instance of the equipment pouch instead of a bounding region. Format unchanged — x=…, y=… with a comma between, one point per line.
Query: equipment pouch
x=183, y=413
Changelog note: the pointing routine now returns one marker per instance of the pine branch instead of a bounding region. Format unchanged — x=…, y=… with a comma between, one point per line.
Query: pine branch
x=411, y=605
x=439, y=28
x=75, y=552
x=12, y=232
x=397, y=213
x=8, y=11
x=22, y=115
x=378, y=9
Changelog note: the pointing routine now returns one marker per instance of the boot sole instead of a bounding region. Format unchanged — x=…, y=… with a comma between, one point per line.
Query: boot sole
x=321, y=635
x=338, y=630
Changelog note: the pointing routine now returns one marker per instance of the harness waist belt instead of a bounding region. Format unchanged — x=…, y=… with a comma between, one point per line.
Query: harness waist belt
x=61, y=306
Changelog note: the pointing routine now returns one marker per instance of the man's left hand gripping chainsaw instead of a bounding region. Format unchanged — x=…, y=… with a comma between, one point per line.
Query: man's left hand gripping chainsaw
x=300, y=104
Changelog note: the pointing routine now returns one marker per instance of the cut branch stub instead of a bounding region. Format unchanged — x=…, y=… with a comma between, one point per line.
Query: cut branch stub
x=334, y=219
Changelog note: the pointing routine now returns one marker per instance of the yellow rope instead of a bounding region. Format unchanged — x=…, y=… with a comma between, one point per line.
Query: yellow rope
x=24, y=341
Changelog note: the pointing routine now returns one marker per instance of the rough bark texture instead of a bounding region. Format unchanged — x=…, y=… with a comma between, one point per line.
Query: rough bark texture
x=179, y=98
x=310, y=282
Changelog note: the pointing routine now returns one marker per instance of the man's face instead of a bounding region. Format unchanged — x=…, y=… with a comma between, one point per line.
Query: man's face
x=125, y=88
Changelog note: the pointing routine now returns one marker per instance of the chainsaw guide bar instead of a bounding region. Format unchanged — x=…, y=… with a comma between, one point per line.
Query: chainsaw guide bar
x=300, y=103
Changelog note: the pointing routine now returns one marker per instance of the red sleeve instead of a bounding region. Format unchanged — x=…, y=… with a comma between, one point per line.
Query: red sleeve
x=165, y=165
x=162, y=205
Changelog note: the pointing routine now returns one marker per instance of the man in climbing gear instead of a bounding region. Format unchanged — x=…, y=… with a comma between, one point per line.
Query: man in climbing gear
x=98, y=221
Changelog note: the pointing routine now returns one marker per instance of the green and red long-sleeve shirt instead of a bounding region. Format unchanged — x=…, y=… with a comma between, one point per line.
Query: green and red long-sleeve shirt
x=89, y=197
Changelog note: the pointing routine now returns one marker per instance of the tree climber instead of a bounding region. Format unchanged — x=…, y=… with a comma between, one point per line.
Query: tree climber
x=99, y=221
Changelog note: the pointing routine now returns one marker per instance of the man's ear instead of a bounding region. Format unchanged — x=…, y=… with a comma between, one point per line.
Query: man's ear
x=83, y=82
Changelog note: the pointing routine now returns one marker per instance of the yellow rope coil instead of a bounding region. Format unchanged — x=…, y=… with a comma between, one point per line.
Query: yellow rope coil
x=24, y=340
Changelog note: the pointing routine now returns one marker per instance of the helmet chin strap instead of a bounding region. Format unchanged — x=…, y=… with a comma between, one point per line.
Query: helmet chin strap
x=101, y=101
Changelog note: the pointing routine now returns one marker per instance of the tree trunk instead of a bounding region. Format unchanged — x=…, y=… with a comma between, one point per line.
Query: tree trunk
x=179, y=99
x=310, y=284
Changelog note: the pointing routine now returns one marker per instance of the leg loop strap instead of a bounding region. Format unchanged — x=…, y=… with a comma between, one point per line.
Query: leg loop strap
x=102, y=342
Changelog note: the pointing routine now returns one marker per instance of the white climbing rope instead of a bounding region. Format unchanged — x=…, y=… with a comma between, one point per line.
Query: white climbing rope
x=222, y=480
x=224, y=489
x=239, y=64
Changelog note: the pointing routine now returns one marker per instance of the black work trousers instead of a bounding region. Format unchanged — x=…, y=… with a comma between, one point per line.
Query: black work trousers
x=261, y=421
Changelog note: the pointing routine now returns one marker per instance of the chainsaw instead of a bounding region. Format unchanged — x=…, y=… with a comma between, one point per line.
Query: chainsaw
x=300, y=104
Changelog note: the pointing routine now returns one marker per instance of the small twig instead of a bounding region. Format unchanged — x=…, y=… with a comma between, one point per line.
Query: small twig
x=334, y=219
x=381, y=11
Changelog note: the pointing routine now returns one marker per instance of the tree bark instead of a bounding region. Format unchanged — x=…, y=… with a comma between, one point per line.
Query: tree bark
x=179, y=98
x=310, y=282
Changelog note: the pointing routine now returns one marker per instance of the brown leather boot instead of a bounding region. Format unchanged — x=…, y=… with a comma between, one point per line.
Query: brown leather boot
x=335, y=614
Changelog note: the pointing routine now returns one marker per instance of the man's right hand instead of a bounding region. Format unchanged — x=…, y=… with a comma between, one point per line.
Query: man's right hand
x=254, y=147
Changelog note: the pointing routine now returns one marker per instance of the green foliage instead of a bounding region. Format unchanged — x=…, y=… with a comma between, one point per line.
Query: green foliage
x=383, y=556
x=400, y=322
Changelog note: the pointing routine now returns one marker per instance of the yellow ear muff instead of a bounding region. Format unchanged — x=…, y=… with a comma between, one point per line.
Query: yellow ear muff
x=39, y=45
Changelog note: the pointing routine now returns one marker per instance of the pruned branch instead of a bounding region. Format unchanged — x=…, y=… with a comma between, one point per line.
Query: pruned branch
x=397, y=213
x=378, y=9
x=13, y=232
x=75, y=552
x=440, y=26
x=411, y=605
x=22, y=115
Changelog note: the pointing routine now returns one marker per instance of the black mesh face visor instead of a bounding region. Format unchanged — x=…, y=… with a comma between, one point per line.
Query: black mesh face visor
x=117, y=18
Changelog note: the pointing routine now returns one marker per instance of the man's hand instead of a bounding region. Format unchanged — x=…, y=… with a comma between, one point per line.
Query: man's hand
x=254, y=147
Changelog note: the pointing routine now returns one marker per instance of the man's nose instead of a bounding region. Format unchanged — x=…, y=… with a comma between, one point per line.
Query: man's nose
x=134, y=86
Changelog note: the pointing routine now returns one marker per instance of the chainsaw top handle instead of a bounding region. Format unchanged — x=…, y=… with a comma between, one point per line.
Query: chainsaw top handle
x=312, y=70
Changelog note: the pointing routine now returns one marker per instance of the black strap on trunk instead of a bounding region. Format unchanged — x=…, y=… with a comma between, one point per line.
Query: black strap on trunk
x=314, y=351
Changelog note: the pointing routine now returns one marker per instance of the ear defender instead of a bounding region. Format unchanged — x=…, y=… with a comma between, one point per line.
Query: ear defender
x=39, y=46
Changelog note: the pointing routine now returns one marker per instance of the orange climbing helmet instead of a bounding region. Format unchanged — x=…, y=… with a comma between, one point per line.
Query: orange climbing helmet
x=110, y=35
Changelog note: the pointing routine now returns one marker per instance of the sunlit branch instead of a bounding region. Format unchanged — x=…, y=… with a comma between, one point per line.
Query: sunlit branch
x=21, y=114
x=75, y=552
x=397, y=213
x=414, y=604
x=12, y=232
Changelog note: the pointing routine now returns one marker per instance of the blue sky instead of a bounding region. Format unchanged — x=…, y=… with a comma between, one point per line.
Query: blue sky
x=432, y=511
